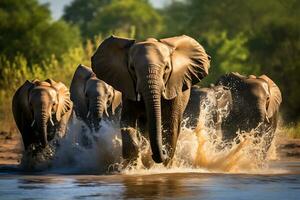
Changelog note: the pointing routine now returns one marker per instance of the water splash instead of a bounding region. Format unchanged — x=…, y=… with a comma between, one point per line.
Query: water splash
x=85, y=151
x=198, y=150
x=202, y=149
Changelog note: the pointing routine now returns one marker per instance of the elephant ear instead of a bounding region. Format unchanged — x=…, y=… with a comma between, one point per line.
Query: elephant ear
x=189, y=63
x=110, y=64
x=20, y=104
x=77, y=89
x=63, y=95
x=117, y=100
x=275, y=97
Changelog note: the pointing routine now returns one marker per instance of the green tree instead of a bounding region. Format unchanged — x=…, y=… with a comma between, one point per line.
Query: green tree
x=81, y=12
x=26, y=28
x=276, y=49
x=131, y=17
x=122, y=17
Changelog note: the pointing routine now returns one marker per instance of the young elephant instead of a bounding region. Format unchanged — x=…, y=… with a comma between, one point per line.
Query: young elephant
x=207, y=108
x=255, y=105
x=41, y=111
x=155, y=78
x=92, y=97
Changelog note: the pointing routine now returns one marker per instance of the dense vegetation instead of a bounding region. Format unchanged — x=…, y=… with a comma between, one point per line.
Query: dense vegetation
x=246, y=36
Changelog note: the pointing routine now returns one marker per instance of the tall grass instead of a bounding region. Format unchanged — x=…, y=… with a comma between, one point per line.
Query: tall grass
x=291, y=131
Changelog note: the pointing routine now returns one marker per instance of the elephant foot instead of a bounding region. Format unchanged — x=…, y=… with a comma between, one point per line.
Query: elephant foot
x=146, y=159
x=130, y=143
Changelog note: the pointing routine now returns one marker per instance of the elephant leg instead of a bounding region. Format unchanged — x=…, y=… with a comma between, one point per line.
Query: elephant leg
x=27, y=134
x=146, y=153
x=128, y=124
x=172, y=115
x=63, y=124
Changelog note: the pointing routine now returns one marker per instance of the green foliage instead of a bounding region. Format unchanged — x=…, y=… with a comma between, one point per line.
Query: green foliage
x=26, y=28
x=80, y=13
x=227, y=55
x=276, y=50
x=120, y=17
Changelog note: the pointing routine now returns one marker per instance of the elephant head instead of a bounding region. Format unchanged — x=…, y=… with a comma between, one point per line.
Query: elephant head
x=151, y=70
x=92, y=97
x=41, y=104
x=260, y=91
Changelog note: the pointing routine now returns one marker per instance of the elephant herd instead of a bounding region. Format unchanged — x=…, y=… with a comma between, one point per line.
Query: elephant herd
x=147, y=87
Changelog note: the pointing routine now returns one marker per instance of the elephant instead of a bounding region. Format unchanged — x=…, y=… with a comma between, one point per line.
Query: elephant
x=41, y=110
x=255, y=105
x=155, y=78
x=207, y=107
x=92, y=98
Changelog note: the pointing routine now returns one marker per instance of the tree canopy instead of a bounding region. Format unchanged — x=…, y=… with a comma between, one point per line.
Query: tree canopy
x=26, y=28
x=127, y=17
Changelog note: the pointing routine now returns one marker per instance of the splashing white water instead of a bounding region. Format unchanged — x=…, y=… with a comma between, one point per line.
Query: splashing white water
x=200, y=150
x=85, y=151
x=203, y=150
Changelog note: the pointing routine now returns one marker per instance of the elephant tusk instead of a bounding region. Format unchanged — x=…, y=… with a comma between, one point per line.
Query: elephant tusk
x=106, y=112
x=32, y=123
x=267, y=117
x=138, y=97
x=51, y=121
x=88, y=114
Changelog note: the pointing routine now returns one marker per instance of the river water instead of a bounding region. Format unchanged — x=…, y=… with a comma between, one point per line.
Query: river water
x=179, y=185
x=200, y=170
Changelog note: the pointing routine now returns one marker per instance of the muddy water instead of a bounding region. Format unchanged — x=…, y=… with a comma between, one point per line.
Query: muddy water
x=201, y=169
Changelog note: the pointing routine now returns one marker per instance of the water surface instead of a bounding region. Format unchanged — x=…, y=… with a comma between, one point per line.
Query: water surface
x=282, y=183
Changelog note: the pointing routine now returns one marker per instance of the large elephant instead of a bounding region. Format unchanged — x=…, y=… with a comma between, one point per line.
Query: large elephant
x=41, y=111
x=256, y=102
x=92, y=98
x=155, y=77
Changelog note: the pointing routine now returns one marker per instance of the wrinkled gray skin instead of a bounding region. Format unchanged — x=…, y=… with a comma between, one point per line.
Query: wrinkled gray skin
x=208, y=107
x=255, y=105
x=155, y=77
x=94, y=99
x=41, y=111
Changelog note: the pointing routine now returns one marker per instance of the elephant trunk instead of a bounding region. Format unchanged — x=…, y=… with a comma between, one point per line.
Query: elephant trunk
x=41, y=117
x=152, y=98
x=97, y=108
